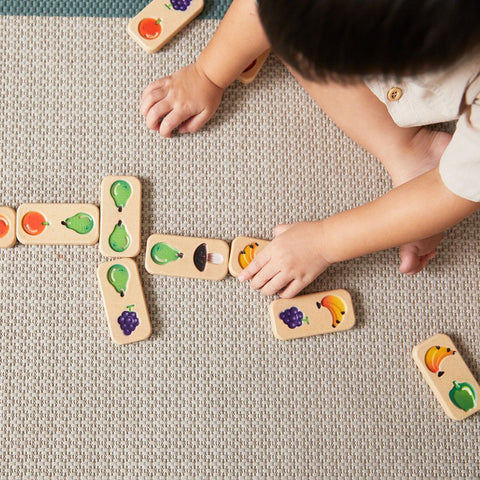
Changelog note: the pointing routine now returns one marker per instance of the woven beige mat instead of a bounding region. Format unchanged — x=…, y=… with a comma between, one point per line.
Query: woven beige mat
x=212, y=394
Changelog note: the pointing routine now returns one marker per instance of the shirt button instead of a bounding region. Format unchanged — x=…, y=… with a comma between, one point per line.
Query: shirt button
x=394, y=94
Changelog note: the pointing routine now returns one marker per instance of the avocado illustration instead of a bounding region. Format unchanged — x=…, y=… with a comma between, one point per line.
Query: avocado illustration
x=120, y=192
x=119, y=239
x=81, y=223
x=463, y=396
x=162, y=253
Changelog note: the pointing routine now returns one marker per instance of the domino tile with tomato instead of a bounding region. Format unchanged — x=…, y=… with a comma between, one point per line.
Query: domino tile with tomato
x=161, y=20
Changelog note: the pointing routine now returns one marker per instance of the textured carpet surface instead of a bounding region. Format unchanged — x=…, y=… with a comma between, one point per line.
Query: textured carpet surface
x=92, y=8
x=212, y=394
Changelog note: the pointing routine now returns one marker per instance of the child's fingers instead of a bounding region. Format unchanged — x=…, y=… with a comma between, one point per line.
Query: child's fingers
x=292, y=289
x=264, y=275
x=279, y=229
x=276, y=284
x=156, y=113
x=171, y=121
x=153, y=86
x=150, y=99
x=254, y=266
x=195, y=123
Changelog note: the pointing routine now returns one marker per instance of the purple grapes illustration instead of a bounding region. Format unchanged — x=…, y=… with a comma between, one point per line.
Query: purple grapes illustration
x=293, y=317
x=128, y=320
x=179, y=5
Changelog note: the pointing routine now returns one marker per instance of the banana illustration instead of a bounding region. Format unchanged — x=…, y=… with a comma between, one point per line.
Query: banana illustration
x=434, y=357
x=336, y=306
x=247, y=254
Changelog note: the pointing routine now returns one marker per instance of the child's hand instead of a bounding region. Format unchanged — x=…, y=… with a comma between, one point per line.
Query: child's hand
x=290, y=262
x=187, y=99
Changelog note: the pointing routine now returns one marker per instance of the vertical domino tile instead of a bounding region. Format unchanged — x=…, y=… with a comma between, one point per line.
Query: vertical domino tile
x=249, y=74
x=57, y=224
x=120, y=216
x=312, y=314
x=161, y=20
x=242, y=252
x=448, y=376
x=191, y=257
x=124, y=301
x=8, y=235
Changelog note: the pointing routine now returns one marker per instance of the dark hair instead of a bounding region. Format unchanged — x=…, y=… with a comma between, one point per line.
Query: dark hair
x=339, y=39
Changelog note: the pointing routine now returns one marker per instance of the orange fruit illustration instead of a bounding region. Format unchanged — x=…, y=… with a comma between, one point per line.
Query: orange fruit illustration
x=4, y=226
x=34, y=223
x=150, y=28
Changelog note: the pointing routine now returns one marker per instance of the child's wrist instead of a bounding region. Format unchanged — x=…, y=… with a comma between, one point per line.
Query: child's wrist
x=326, y=243
x=211, y=73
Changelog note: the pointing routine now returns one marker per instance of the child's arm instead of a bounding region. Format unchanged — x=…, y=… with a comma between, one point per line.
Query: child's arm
x=191, y=96
x=415, y=210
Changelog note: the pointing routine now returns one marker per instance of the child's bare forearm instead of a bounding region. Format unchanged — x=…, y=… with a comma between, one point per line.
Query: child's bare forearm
x=238, y=40
x=418, y=209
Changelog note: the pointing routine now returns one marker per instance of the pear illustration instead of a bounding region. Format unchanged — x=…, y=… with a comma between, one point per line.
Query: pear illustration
x=81, y=223
x=119, y=239
x=118, y=277
x=162, y=253
x=120, y=192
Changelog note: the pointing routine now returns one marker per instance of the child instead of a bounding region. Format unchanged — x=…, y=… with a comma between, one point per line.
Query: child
x=381, y=69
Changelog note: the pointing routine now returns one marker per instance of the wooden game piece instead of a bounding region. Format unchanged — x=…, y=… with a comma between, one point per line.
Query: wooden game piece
x=161, y=20
x=58, y=224
x=249, y=74
x=8, y=235
x=191, y=257
x=242, y=251
x=124, y=301
x=448, y=376
x=120, y=216
x=312, y=314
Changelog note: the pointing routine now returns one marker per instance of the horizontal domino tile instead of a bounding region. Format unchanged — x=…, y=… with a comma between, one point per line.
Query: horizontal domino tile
x=317, y=313
x=159, y=22
x=122, y=293
x=446, y=373
x=248, y=75
x=175, y=256
x=120, y=216
x=238, y=245
x=8, y=235
x=57, y=224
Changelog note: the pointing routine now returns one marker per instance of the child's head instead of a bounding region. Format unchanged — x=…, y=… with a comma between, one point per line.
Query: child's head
x=355, y=38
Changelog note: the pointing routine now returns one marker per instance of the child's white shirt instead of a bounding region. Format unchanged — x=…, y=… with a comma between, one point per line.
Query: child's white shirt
x=451, y=94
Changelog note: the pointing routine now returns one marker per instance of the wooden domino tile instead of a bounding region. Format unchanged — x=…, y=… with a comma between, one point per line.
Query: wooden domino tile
x=161, y=20
x=448, y=376
x=312, y=314
x=192, y=257
x=124, y=301
x=120, y=216
x=8, y=235
x=249, y=74
x=242, y=252
x=57, y=224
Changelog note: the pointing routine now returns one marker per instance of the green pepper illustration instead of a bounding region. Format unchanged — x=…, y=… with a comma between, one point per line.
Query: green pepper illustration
x=463, y=396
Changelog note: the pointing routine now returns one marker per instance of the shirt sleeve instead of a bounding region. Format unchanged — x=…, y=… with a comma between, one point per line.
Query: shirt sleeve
x=460, y=162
